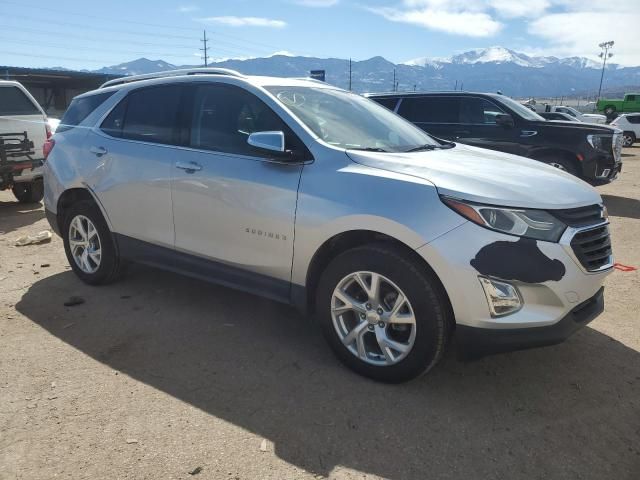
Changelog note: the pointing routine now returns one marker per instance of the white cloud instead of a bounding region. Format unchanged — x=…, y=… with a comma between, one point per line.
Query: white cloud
x=316, y=3
x=442, y=16
x=187, y=8
x=578, y=33
x=514, y=9
x=233, y=21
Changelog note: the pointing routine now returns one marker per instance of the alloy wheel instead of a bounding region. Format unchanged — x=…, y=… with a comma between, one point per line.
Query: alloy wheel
x=373, y=318
x=84, y=243
x=627, y=140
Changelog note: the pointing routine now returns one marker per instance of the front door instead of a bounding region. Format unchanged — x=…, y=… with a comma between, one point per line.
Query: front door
x=235, y=205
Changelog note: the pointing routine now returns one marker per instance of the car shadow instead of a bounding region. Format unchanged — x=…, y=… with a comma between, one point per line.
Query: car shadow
x=622, y=206
x=15, y=215
x=264, y=368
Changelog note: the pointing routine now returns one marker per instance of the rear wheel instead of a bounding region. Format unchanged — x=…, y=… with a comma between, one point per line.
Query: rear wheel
x=89, y=245
x=382, y=315
x=29, y=192
x=628, y=139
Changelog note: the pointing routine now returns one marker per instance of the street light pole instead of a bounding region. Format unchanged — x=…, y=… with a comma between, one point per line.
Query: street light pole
x=604, y=54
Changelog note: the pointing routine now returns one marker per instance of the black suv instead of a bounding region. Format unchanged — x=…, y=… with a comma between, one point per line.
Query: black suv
x=591, y=152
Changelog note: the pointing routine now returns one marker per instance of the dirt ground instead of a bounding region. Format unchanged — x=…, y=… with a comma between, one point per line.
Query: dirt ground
x=164, y=377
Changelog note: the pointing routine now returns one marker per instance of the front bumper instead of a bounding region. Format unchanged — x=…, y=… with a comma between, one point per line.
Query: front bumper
x=478, y=342
x=544, y=304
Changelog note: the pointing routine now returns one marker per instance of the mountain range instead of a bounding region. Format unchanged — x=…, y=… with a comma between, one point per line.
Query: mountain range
x=489, y=69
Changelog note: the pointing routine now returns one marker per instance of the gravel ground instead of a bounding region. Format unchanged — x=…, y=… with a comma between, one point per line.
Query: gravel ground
x=160, y=376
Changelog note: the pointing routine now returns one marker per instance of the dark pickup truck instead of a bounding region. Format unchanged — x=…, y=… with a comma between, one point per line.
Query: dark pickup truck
x=591, y=152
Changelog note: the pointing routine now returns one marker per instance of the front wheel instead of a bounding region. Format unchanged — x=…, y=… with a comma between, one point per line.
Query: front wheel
x=561, y=163
x=384, y=316
x=29, y=192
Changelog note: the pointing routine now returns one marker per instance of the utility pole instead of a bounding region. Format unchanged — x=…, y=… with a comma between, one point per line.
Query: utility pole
x=604, y=54
x=395, y=87
x=456, y=86
x=349, y=74
x=205, y=49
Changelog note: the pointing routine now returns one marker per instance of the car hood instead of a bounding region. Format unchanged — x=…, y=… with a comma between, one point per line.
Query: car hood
x=486, y=176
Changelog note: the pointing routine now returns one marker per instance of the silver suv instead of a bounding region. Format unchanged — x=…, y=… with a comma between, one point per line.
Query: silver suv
x=311, y=195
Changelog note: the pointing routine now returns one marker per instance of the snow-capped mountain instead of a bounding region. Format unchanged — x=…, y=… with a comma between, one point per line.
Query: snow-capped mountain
x=501, y=55
x=484, y=70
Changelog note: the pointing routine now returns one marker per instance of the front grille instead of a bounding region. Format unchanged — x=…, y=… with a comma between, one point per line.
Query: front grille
x=581, y=216
x=593, y=248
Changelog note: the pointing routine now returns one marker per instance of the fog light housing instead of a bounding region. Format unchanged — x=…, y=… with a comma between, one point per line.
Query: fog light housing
x=502, y=297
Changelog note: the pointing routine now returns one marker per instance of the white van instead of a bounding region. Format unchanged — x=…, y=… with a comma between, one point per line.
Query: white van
x=23, y=134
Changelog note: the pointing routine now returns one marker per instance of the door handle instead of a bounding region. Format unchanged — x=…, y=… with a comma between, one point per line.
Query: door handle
x=189, y=167
x=98, y=151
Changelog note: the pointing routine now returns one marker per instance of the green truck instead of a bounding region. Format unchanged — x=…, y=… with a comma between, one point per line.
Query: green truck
x=630, y=103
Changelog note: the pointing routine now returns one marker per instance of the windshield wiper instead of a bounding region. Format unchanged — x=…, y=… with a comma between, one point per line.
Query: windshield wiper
x=420, y=148
x=368, y=149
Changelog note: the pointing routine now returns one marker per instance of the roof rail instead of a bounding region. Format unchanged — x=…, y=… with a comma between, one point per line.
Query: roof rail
x=173, y=73
x=310, y=80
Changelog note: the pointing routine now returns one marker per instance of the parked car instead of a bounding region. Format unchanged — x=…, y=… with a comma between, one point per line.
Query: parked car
x=572, y=112
x=629, y=123
x=591, y=152
x=562, y=117
x=298, y=191
x=23, y=135
x=630, y=103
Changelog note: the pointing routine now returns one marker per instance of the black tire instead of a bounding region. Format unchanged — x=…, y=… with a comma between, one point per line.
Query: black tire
x=560, y=162
x=421, y=287
x=628, y=139
x=29, y=192
x=110, y=265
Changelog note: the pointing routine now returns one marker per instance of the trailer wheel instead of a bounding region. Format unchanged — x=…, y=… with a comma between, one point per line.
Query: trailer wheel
x=29, y=192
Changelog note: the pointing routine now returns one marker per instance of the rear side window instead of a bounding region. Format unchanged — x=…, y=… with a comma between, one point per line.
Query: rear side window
x=430, y=109
x=389, y=103
x=13, y=101
x=79, y=109
x=148, y=115
x=633, y=118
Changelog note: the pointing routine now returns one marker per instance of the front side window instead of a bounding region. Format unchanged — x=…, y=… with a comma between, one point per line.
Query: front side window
x=518, y=108
x=347, y=120
x=225, y=115
x=148, y=114
x=477, y=110
x=13, y=101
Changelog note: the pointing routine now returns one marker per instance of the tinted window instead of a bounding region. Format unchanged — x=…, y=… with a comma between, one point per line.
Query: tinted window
x=631, y=98
x=478, y=110
x=149, y=115
x=224, y=116
x=390, y=103
x=430, y=109
x=633, y=118
x=13, y=101
x=79, y=109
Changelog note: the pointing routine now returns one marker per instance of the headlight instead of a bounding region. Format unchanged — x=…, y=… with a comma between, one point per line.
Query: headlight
x=596, y=141
x=522, y=222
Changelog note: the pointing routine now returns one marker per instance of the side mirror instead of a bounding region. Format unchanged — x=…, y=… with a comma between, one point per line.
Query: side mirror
x=505, y=120
x=272, y=141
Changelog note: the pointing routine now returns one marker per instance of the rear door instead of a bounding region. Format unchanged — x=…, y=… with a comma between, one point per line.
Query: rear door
x=437, y=115
x=21, y=118
x=135, y=149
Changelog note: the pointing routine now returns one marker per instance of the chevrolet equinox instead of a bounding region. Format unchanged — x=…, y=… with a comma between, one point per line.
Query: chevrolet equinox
x=307, y=194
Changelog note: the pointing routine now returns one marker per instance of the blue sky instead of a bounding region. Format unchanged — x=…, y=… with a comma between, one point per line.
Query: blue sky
x=88, y=34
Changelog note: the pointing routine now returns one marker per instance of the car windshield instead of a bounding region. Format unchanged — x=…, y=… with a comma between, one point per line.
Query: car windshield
x=347, y=120
x=521, y=110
